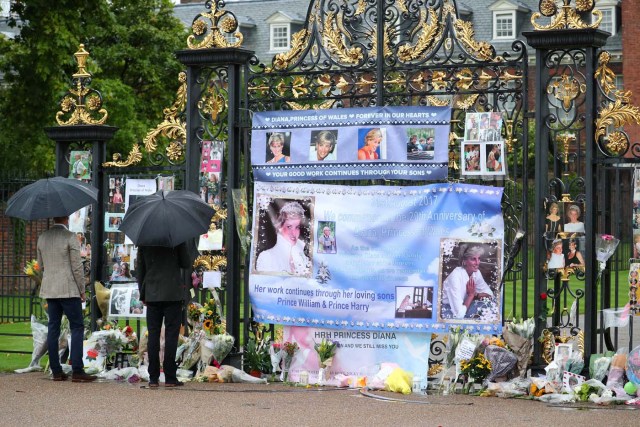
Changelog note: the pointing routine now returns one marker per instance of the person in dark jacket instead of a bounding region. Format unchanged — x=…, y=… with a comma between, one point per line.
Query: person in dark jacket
x=160, y=283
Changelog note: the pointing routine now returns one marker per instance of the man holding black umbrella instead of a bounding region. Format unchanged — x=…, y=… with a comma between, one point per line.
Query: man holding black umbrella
x=163, y=226
x=161, y=288
x=63, y=287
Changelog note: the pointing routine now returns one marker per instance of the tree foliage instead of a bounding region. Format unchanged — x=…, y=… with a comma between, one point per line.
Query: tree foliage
x=131, y=45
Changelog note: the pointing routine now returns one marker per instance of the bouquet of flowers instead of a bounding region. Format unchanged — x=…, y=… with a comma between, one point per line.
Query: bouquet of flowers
x=290, y=349
x=476, y=369
x=222, y=345
x=519, y=337
x=211, y=321
x=326, y=349
x=606, y=245
x=214, y=349
x=194, y=314
x=33, y=270
x=242, y=217
x=191, y=350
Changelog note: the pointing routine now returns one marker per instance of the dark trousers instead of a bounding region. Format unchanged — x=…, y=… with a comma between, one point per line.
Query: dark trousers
x=171, y=312
x=72, y=307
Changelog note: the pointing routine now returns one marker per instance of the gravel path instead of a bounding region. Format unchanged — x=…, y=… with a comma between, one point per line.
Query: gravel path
x=33, y=399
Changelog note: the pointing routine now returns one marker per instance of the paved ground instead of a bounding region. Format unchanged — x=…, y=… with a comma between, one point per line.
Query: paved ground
x=33, y=399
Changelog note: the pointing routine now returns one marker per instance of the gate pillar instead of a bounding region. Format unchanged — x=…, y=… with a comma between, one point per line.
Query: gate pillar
x=81, y=127
x=215, y=77
x=565, y=113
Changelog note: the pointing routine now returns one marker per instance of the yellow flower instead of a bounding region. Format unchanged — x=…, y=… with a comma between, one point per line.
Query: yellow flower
x=211, y=302
x=207, y=324
x=209, y=313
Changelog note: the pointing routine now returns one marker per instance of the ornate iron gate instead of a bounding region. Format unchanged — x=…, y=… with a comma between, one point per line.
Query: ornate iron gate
x=367, y=53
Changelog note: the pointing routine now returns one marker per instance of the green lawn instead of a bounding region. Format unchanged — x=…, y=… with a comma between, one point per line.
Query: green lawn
x=574, y=285
x=11, y=361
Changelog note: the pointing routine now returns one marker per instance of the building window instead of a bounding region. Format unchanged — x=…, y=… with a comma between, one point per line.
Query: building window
x=279, y=37
x=619, y=82
x=608, y=20
x=504, y=25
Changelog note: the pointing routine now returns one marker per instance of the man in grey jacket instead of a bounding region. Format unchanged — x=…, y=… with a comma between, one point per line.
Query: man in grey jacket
x=63, y=287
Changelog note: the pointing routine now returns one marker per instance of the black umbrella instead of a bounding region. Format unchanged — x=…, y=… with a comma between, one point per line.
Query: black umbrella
x=166, y=218
x=50, y=198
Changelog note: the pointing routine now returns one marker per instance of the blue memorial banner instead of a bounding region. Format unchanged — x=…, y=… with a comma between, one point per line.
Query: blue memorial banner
x=351, y=143
x=384, y=258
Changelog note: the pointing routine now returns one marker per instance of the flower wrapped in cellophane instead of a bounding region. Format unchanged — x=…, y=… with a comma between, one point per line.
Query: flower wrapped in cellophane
x=276, y=353
x=34, y=272
x=290, y=348
x=519, y=338
x=212, y=323
x=194, y=315
x=326, y=349
x=191, y=349
x=606, y=245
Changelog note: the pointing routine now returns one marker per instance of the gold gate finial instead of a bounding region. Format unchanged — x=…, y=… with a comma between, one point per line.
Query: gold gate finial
x=566, y=17
x=81, y=105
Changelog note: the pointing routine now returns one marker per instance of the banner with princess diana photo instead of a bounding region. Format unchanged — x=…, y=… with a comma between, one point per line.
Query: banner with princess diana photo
x=415, y=259
x=351, y=144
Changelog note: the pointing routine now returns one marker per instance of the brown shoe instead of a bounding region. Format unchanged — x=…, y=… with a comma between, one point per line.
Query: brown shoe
x=82, y=377
x=176, y=384
x=60, y=376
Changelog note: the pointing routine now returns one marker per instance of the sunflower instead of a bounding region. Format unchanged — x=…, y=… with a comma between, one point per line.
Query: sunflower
x=207, y=324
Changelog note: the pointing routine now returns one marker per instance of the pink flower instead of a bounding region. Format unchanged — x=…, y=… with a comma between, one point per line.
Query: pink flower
x=607, y=237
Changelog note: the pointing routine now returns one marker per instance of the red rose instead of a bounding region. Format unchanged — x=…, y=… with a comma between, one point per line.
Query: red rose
x=543, y=296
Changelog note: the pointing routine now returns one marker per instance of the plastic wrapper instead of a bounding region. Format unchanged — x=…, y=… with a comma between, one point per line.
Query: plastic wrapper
x=632, y=367
x=228, y=374
x=575, y=364
x=558, y=398
x=130, y=374
x=206, y=355
x=522, y=347
x=512, y=388
x=275, y=355
x=39, y=333
x=102, y=298
x=615, y=378
x=399, y=381
x=222, y=345
x=502, y=361
x=599, y=366
x=184, y=375
x=240, y=376
x=191, y=354
x=143, y=348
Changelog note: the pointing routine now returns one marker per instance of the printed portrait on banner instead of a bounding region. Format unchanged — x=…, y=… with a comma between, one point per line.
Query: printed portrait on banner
x=385, y=143
x=323, y=145
x=327, y=237
x=278, y=147
x=284, y=233
x=470, y=281
x=372, y=143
